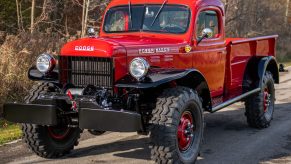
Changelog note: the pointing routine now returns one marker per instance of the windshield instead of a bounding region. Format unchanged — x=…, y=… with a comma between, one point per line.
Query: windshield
x=172, y=19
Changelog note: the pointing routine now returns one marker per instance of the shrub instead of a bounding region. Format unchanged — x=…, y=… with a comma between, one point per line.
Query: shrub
x=18, y=54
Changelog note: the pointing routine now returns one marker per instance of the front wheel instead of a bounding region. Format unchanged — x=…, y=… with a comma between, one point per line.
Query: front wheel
x=45, y=141
x=50, y=142
x=177, y=126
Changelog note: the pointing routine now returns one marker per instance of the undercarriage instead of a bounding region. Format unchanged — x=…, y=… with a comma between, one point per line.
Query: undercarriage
x=80, y=107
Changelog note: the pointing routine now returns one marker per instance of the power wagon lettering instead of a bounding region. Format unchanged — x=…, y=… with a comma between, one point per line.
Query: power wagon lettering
x=154, y=50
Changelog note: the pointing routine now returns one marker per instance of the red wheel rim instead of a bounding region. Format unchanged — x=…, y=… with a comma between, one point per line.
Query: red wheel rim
x=267, y=99
x=185, y=131
x=58, y=133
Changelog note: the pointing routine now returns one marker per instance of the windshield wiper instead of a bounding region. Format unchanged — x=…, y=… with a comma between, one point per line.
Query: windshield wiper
x=157, y=15
x=129, y=10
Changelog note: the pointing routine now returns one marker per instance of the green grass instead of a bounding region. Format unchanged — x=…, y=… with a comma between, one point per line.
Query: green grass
x=9, y=132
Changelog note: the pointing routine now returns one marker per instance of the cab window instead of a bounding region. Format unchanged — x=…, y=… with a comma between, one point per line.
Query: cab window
x=207, y=19
x=118, y=19
x=171, y=19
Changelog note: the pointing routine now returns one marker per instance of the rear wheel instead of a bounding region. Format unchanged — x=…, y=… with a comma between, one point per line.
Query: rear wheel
x=177, y=127
x=45, y=141
x=260, y=107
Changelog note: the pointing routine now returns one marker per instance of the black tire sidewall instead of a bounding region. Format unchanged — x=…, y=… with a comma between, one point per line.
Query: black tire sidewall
x=269, y=83
x=255, y=113
x=191, y=154
x=171, y=105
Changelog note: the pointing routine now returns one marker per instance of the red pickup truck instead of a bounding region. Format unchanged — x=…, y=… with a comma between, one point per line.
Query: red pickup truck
x=156, y=67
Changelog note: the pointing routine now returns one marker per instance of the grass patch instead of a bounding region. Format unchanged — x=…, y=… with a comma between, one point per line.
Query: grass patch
x=9, y=132
x=286, y=60
x=287, y=64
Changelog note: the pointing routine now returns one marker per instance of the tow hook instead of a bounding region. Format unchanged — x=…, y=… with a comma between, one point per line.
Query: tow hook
x=74, y=103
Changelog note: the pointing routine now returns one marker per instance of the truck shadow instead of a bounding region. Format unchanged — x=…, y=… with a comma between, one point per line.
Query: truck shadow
x=220, y=125
x=131, y=147
x=229, y=131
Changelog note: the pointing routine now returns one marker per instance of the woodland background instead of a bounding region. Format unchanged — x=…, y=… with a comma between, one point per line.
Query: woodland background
x=31, y=27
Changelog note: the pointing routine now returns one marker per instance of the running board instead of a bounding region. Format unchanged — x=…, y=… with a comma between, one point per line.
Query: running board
x=234, y=100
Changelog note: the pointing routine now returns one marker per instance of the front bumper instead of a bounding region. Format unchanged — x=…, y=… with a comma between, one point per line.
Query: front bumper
x=90, y=115
x=30, y=113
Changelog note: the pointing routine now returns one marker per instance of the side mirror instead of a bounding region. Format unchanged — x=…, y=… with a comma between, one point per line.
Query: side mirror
x=206, y=33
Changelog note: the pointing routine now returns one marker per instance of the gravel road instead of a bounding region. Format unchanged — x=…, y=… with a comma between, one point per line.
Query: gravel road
x=228, y=139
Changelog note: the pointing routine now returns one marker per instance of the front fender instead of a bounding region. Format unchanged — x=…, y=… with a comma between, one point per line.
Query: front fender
x=155, y=78
x=191, y=78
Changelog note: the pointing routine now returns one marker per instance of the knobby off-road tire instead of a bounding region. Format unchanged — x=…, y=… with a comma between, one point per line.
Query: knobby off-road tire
x=48, y=142
x=175, y=108
x=260, y=107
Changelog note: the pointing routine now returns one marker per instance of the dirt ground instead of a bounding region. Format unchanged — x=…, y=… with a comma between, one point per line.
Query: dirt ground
x=228, y=139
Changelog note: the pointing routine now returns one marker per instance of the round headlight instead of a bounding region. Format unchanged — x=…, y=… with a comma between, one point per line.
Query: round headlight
x=45, y=63
x=138, y=68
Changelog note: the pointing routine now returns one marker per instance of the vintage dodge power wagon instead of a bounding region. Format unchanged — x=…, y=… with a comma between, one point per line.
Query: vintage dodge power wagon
x=156, y=67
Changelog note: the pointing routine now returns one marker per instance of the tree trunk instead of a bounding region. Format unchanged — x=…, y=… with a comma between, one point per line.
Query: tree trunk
x=83, y=17
x=32, y=16
x=86, y=17
x=287, y=11
x=226, y=6
x=18, y=15
x=21, y=17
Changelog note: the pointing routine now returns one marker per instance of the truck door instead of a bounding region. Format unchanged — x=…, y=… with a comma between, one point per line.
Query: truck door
x=210, y=54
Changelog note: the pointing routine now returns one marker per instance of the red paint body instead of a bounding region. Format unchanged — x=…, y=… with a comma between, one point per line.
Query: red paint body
x=221, y=60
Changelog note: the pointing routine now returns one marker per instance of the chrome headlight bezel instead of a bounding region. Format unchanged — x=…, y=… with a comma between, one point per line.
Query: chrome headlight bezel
x=45, y=63
x=139, y=68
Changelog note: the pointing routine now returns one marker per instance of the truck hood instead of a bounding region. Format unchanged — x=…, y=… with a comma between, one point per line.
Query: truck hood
x=95, y=47
x=117, y=45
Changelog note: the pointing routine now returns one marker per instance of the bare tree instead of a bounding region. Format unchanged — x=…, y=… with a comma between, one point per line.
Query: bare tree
x=83, y=17
x=86, y=4
x=44, y=14
x=18, y=14
x=32, y=16
x=86, y=16
x=287, y=15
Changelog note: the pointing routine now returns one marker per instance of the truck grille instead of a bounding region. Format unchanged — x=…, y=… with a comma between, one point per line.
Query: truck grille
x=84, y=71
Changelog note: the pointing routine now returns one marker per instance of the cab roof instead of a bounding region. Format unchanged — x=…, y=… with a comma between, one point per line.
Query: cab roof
x=189, y=3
